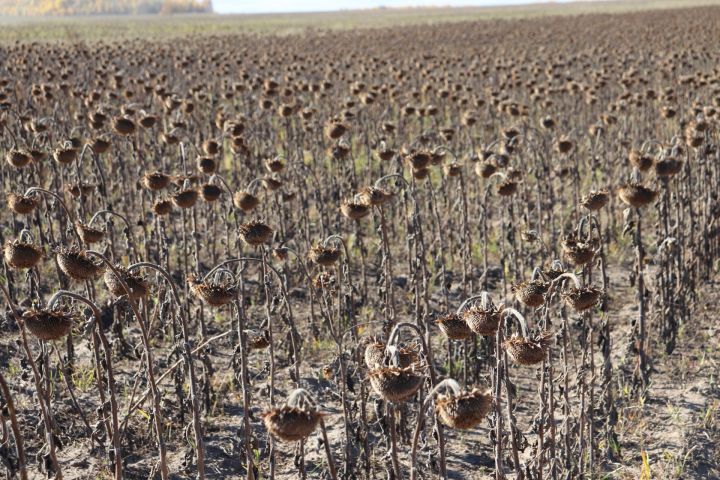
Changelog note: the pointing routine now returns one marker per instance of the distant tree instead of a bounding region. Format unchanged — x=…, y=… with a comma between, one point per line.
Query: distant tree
x=102, y=7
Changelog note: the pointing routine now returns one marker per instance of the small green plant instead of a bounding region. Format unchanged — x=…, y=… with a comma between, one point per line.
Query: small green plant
x=83, y=377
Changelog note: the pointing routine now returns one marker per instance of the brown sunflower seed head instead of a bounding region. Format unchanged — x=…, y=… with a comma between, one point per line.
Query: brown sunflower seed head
x=185, y=198
x=18, y=158
x=65, y=156
x=271, y=183
x=595, y=200
x=641, y=161
x=530, y=351
x=482, y=321
x=374, y=196
x=334, y=129
x=255, y=232
x=274, y=165
x=206, y=165
x=123, y=125
x=396, y=384
x=419, y=160
x=485, y=168
x=88, y=234
x=138, y=285
x=21, y=204
x=47, y=324
x=582, y=299
x=210, y=193
x=162, y=207
x=156, y=181
x=637, y=195
x=668, y=167
x=325, y=256
x=375, y=355
x=213, y=294
x=507, y=188
x=355, y=210
x=99, y=146
x=22, y=255
x=245, y=201
x=577, y=253
x=291, y=424
x=531, y=293
x=77, y=265
x=453, y=326
x=465, y=410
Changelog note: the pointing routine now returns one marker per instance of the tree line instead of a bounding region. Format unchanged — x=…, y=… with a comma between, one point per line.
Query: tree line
x=103, y=7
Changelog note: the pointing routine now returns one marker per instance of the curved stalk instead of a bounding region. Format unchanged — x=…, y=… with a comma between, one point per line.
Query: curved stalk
x=537, y=272
x=187, y=357
x=17, y=434
x=117, y=458
x=42, y=396
x=114, y=214
x=328, y=453
x=130, y=235
x=399, y=176
x=224, y=184
x=164, y=472
x=391, y=339
x=572, y=276
x=291, y=319
x=57, y=197
x=593, y=224
x=311, y=287
x=26, y=234
x=218, y=273
x=521, y=319
x=483, y=296
x=252, y=183
x=448, y=383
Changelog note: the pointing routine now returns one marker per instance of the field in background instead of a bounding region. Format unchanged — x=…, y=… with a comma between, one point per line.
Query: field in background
x=99, y=28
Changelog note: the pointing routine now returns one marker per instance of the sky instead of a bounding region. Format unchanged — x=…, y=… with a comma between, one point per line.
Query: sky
x=273, y=6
